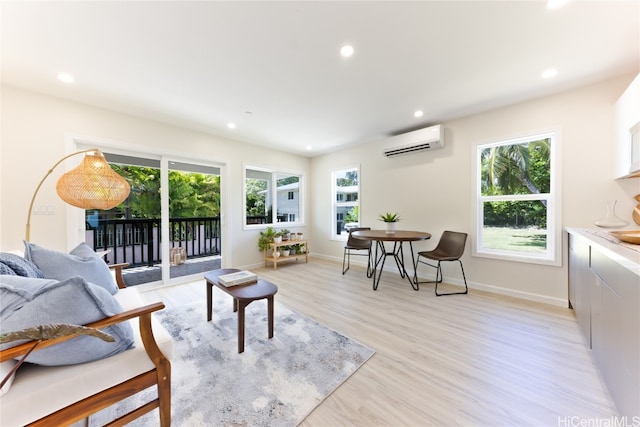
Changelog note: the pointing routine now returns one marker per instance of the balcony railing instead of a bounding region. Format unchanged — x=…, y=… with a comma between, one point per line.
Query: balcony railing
x=138, y=241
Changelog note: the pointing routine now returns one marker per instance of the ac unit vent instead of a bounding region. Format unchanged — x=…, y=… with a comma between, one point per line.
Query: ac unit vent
x=411, y=142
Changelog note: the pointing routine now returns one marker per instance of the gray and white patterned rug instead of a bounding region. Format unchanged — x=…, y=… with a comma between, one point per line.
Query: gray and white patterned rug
x=275, y=382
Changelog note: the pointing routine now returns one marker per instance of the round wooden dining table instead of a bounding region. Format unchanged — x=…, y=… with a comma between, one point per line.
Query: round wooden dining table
x=381, y=253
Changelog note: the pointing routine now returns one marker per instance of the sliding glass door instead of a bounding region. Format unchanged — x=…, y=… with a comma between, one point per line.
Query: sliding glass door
x=162, y=235
x=194, y=236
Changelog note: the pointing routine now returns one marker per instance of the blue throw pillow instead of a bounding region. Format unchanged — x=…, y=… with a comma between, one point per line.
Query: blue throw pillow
x=81, y=261
x=72, y=301
x=19, y=265
x=16, y=291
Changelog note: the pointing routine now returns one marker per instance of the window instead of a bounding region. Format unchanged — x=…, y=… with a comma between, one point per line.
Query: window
x=272, y=197
x=345, y=203
x=517, y=200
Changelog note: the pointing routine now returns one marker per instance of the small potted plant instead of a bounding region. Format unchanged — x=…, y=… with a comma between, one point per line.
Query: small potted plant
x=285, y=234
x=390, y=220
x=285, y=250
x=265, y=239
x=277, y=238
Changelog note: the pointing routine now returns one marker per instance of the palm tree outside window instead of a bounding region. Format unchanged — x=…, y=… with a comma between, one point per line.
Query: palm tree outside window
x=517, y=204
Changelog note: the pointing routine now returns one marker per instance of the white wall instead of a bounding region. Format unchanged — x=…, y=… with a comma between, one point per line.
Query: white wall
x=432, y=190
x=34, y=129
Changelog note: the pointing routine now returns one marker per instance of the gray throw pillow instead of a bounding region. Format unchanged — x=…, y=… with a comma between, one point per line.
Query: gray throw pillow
x=72, y=301
x=4, y=270
x=81, y=261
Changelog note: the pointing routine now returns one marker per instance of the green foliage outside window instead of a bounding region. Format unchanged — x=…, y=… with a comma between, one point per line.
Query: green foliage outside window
x=350, y=178
x=190, y=194
x=516, y=169
x=353, y=215
x=256, y=196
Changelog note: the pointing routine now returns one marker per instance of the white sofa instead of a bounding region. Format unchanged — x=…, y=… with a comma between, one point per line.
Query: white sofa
x=62, y=395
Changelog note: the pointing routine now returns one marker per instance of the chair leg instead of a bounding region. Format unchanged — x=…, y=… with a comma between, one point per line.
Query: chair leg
x=346, y=260
x=466, y=288
x=415, y=272
x=345, y=255
x=164, y=394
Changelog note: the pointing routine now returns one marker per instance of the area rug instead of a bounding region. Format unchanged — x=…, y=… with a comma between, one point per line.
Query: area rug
x=275, y=382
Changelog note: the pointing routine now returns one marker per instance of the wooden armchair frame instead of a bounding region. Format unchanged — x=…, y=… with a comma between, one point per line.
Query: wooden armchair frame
x=160, y=375
x=117, y=269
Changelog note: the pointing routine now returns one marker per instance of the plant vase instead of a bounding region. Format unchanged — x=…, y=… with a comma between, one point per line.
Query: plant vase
x=389, y=220
x=391, y=227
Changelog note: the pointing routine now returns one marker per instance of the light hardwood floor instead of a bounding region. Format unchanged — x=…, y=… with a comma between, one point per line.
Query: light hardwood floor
x=465, y=360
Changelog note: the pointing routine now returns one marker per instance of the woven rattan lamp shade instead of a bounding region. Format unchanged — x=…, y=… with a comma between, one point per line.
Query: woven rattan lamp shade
x=93, y=184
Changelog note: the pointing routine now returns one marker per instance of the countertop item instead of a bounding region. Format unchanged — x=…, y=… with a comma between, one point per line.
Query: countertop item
x=627, y=236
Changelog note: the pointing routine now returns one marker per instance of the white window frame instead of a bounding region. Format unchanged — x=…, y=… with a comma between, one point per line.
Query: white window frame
x=553, y=253
x=274, y=195
x=335, y=204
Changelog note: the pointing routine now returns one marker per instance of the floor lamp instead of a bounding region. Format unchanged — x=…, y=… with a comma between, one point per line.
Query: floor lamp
x=91, y=185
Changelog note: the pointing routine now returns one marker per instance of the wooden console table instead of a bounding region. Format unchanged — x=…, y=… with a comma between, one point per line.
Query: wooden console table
x=275, y=247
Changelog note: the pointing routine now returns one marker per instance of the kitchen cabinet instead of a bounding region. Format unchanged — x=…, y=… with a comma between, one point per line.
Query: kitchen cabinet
x=604, y=291
x=579, y=279
x=615, y=330
x=627, y=117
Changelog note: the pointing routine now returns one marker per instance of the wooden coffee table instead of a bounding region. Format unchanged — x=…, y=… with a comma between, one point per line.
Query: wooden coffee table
x=243, y=295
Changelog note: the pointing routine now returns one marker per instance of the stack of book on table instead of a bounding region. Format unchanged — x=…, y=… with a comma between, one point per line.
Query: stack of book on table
x=240, y=278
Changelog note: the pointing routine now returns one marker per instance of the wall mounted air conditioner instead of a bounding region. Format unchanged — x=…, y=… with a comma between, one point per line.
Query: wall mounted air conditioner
x=412, y=142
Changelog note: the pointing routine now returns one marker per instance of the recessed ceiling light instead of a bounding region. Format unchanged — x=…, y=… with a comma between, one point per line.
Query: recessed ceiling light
x=418, y=113
x=231, y=125
x=65, y=77
x=556, y=4
x=549, y=73
x=308, y=148
x=346, y=51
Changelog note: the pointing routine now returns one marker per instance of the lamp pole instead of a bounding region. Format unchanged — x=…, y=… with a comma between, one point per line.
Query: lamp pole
x=27, y=233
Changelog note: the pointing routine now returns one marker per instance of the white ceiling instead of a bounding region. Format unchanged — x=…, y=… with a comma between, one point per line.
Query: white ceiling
x=274, y=69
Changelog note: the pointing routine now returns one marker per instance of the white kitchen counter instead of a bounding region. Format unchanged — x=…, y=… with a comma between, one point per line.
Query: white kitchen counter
x=625, y=254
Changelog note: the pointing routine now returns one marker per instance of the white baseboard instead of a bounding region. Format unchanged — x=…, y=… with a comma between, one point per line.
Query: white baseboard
x=391, y=267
